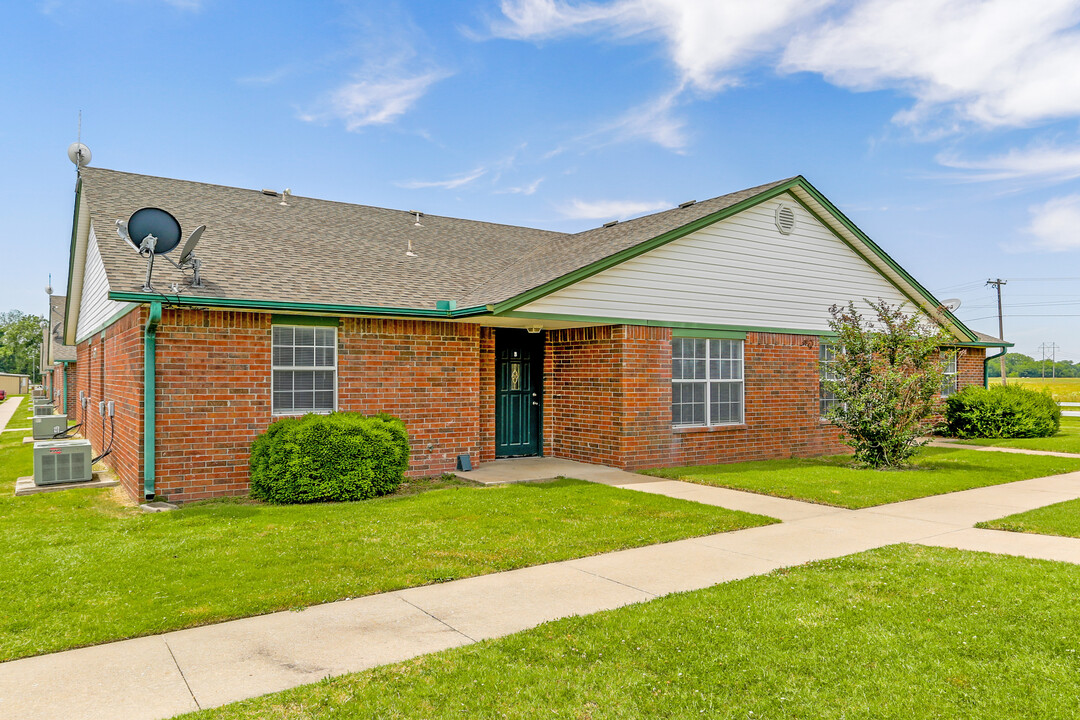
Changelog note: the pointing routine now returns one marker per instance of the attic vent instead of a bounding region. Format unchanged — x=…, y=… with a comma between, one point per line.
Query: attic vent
x=609, y=224
x=785, y=219
x=267, y=191
x=686, y=204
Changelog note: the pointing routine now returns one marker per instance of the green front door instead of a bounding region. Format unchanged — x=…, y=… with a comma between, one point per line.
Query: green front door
x=519, y=372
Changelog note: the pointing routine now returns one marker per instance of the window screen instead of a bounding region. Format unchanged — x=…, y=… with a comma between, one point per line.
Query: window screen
x=304, y=369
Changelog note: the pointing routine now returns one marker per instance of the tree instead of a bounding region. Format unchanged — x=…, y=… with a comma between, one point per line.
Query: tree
x=20, y=342
x=889, y=373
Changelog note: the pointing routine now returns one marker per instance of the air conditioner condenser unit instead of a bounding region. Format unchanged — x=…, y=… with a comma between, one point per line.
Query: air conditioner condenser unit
x=46, y=427
x=44, y=409
x=62, y=461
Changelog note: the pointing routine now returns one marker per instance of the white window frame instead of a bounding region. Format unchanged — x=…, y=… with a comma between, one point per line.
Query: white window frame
x=827, y=353
x=274, y=410
x=950, y=380
x=709, y=381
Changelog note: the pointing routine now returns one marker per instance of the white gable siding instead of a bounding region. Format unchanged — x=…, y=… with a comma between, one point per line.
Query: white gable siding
x=740, y=271
x=95, y=307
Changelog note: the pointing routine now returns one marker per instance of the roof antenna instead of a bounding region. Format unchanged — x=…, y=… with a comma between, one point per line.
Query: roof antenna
x=285, y=197
x=78, y=153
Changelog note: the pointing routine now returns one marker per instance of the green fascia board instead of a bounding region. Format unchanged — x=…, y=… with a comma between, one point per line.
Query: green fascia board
x=71, y=251
x=330, y=309
x=307, y=320
x=643, y=247
x=895, y=266
x=664, y=323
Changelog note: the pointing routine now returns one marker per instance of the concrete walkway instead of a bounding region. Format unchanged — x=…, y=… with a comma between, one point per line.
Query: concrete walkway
x=991, y=448
x=164, y=675
x=8, y=408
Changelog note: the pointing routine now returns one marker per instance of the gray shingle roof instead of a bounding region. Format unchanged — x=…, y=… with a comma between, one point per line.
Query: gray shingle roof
x=60, y=351
x=319, y=251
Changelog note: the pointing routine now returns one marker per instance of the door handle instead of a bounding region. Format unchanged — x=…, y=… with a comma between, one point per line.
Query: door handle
x=535, y=403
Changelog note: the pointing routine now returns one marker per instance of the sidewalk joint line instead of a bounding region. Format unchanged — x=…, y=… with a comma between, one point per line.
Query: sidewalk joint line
x=604, y=577
x=438, y=619
x=182, y=676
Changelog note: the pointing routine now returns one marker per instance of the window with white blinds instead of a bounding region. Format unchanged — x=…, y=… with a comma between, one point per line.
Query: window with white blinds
x=304, y=369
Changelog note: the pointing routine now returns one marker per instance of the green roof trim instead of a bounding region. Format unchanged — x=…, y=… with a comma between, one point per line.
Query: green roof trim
x=238, y=304
x=71, y=252
x=722, y=334
x=644, y=247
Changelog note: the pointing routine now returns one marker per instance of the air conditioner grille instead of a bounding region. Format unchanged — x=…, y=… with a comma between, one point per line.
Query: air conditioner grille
x=785, y=219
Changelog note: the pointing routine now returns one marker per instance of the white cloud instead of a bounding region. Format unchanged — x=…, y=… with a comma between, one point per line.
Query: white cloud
x=522, y=190
x=1055, y=225
x=654, y=121
x=705, y=38
x=995, y=63
x=610, y=209
x=448, y=184
x=1042, y=161
x=376, y=99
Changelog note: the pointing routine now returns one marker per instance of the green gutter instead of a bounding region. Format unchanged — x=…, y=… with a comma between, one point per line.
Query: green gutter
x=239, y=304
x=986, y=372
x=149, y=399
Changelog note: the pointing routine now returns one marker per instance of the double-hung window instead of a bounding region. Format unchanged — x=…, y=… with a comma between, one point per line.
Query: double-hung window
x=951, y=375
x=706, y=382
x=827, y=399
x=304, y=369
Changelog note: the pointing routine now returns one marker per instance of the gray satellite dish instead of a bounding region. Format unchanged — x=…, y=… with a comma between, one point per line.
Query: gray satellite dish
x=79, y=154
x=192, y=241
x=951, y=304
x=153, y=232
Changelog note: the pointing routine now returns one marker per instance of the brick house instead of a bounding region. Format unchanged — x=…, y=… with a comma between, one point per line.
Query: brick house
x=58, y=360
x=692, y=335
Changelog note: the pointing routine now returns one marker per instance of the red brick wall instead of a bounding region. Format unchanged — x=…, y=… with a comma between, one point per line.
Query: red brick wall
x=486, y=451
x=425, y=372
x=109, y=367
x=582, y=390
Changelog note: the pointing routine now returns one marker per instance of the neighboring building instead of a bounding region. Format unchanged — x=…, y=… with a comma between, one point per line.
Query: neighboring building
x=58, y=374
x=13, y=384
x=688, y=336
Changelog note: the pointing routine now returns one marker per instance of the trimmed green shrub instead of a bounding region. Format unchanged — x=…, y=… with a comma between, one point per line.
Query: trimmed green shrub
x=318, y=458
x=1001, y=412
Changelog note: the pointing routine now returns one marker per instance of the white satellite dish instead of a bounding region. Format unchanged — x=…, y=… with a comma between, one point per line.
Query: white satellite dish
x=79, y=154
x=951, y=304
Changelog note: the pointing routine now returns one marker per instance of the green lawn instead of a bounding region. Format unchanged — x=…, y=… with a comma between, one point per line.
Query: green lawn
x=78, y=568
x=832, y=481
x=1059, y=519
x=1067, y=439
x=899, y=633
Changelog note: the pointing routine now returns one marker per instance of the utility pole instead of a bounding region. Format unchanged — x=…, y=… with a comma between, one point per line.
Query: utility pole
x=1053, y=360
x=1042, y=361
x=1001, y=323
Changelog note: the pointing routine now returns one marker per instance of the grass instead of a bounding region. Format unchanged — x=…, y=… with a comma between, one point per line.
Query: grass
x=1059, y=519
x=899, y=633
x=1067, y=439
x=80, y=568
x=832, y=480
x=1063, y=389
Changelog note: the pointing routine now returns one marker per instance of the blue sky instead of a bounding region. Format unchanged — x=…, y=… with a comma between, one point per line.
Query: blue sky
x=946, y=129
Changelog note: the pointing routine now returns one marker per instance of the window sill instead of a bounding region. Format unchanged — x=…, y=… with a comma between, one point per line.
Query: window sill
x=707, y=428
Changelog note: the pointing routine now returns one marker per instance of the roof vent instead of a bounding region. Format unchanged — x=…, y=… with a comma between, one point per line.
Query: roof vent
x=686, y=204
x=271, y=193
x=609, y=224
x=785, y=219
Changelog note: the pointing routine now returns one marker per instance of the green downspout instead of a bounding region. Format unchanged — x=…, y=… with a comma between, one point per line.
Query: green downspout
x=65, y=386
x=149, y=401
x=986, y=372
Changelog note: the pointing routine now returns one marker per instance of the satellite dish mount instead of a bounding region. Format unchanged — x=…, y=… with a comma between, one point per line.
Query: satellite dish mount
x=152, y=232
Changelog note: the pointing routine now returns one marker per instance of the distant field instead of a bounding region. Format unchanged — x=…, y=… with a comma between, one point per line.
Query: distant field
x=1063, y=389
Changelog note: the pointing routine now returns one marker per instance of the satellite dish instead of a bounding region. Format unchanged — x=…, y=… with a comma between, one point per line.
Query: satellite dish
x=157, y=224
x=189, y=246
x=951, y=304
x=79, y=154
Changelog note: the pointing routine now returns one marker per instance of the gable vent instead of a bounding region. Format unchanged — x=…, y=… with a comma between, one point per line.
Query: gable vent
x=785, y=219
